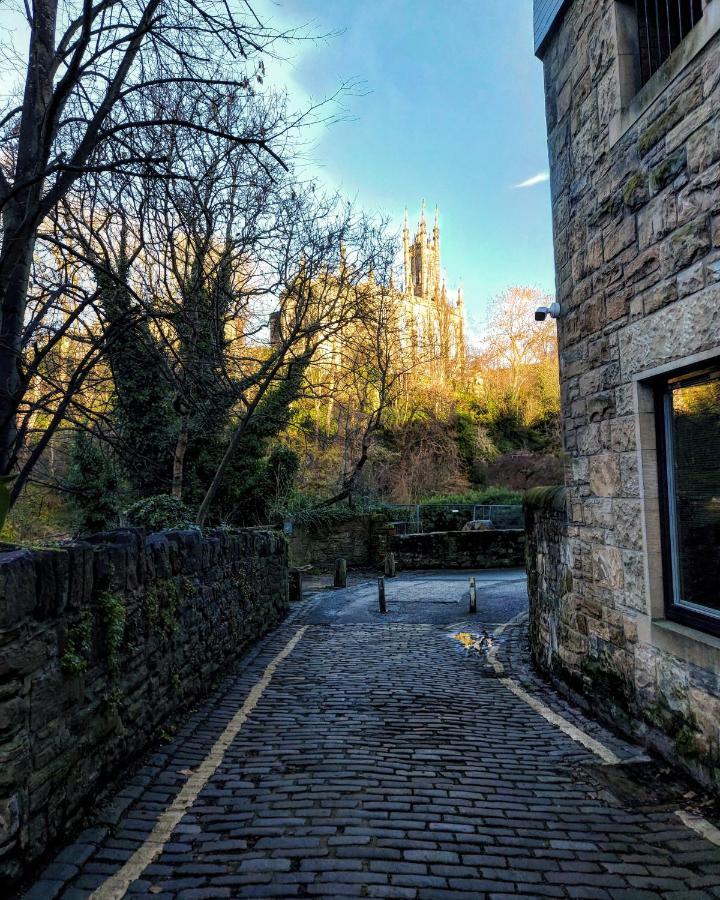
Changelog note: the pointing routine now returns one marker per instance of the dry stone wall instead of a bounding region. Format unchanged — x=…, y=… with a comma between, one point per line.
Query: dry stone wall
x=100, y=643
x=636, y=219
x=459, y=549
x=319, y=546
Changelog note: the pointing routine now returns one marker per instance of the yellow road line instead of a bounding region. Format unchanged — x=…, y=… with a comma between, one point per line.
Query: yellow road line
x=700, y=826
x=572, y=731
x=117, y=885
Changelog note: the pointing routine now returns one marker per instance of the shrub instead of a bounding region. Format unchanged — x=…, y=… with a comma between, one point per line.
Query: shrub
x=160, y=513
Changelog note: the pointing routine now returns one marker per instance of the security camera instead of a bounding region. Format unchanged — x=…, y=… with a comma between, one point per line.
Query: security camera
x=542, y=312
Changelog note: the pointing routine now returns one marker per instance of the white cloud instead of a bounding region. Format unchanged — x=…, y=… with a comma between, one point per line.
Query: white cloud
x=540, y=178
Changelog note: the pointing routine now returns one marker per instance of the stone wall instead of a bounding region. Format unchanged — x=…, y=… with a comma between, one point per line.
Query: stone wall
x=459, y=549
x=320, y=545
x=100, y=643
x=635, y=187
x=549, y=577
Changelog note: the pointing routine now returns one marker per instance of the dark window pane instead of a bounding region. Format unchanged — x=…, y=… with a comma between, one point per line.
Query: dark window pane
x=693, y=445
x=662, y=25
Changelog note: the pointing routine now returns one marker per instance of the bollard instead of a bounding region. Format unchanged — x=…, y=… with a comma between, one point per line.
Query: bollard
x=295, y=586
x=390, y=565
x=381, y=595
x=340, y=573
x=473, y=596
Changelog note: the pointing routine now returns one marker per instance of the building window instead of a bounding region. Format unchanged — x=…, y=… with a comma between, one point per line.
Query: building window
x=688, y=417
x=656, y=29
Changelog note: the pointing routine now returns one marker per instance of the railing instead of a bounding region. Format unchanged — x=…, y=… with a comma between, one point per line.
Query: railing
x=425, y=517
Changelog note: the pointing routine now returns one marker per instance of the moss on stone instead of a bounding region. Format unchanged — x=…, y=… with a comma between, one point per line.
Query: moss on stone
x=635, y=192
x=667, y=170
x=607, y=682
x=681, y=727
x=553, y=497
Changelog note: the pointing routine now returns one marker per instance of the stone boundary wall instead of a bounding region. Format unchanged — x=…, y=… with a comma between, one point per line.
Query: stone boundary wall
x=356, y=540
x=646, y=692
x=497, y=549
x=101, y=643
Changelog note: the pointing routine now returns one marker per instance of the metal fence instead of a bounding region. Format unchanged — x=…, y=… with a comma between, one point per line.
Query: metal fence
x=426, y=517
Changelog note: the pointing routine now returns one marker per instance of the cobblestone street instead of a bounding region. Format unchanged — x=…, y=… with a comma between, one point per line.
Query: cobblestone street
x=376, y=757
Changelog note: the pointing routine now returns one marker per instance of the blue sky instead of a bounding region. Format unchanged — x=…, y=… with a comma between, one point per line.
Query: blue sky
x=448, y=106
x=451, y=110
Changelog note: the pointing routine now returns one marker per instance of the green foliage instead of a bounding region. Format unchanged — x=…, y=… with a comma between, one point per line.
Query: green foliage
x=159, y=513
x=113, y=616
x=93, y=484
x=5, y=482
x=497, y=495
x=161, y=602
x=258, y=483
x=307, y=512
x=76, y=658
x=142, y=410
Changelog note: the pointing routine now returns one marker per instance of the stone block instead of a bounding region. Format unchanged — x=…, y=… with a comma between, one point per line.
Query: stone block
x=703, y=147
x=667, y=170
x=59, y=737
x=605, y=477
x=691, y=280
x=686, y=245
x=628, y=523
x=656, y=220
x=607, y=567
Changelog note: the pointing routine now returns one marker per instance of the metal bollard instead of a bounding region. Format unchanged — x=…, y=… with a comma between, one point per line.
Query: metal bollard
x=381, y=595
x=390, y=565
x=473, y=596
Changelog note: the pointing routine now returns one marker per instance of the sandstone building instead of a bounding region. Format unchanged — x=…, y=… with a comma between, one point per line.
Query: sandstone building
x=428, y=322
x=626, y=600
x=433, y=321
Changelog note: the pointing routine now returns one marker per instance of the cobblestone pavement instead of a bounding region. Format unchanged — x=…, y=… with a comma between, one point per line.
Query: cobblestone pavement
x=383, y=760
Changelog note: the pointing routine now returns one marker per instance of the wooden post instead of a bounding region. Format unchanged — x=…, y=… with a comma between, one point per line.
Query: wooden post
x=381, y=595
x=473, y=596
x=340, y=573
x=390, y=565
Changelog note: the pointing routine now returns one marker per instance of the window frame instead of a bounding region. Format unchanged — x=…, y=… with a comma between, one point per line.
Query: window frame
x=692, y=616
x=635, y=100
x=650, y=54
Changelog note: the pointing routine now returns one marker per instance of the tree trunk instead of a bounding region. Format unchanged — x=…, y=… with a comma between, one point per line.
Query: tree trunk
x=179, y=460
x=20, y=216
x=13, y=301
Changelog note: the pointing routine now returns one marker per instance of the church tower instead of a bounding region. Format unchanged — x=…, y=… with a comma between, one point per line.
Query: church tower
x=423, y=268
x=434, y=319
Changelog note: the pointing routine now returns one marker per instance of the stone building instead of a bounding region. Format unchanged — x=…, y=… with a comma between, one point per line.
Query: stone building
x=433, y=321
x=626, y=607
x=428, y=321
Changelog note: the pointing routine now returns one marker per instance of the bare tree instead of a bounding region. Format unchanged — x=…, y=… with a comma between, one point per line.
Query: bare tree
x=93, y=102
x=321, y=264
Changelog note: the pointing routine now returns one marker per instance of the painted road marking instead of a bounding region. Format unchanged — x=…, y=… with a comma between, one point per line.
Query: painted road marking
x=117, y=885
x=696, y=823
x=572, y=731
x=700, y=826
